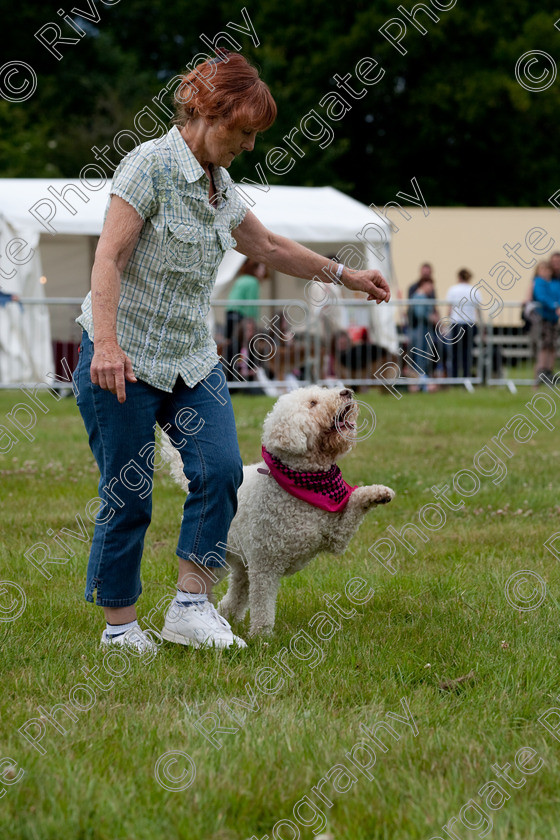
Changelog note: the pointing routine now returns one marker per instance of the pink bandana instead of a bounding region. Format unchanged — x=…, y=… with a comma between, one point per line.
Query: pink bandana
x=325, y=490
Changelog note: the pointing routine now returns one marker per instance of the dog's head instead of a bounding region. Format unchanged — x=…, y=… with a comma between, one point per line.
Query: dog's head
x=311, y=428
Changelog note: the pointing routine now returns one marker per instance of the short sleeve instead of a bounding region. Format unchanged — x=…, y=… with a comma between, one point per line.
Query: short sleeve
x=237, y=206
x=135, y=182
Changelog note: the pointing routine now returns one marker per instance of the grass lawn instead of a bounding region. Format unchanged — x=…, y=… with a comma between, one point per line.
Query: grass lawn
x=298, y=759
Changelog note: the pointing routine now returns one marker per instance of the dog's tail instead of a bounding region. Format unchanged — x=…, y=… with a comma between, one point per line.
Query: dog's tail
x=174, y=460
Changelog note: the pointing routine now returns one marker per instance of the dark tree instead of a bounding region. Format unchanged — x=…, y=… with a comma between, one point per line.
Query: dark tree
x=450, y=112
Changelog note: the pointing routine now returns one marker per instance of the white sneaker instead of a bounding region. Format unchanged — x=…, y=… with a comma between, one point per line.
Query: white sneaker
x=134, y=638
x=199, y=625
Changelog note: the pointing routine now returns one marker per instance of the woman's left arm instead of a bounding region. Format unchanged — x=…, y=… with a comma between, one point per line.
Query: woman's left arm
x=289, y=257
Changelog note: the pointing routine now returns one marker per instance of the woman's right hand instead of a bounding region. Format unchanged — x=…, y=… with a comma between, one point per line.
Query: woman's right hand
x=110, y=367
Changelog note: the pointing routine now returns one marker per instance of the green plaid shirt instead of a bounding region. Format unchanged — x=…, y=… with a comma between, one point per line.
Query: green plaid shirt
x=166, y=285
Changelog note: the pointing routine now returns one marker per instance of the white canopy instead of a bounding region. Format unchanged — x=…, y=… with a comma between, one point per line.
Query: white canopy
x=25, y=340
x=307, y=214
x=322, y=218
x=18, y=197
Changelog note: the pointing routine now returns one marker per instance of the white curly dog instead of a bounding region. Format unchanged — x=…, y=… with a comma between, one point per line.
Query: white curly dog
x=278, y=532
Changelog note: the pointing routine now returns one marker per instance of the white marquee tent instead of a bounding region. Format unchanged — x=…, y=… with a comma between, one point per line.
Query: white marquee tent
x=322, y=218
x=25, y=337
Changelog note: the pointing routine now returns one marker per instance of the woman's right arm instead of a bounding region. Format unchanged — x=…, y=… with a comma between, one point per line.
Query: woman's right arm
x=111, y=366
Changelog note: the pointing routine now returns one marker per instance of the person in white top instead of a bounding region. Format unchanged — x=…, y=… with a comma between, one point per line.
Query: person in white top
x=463, y=313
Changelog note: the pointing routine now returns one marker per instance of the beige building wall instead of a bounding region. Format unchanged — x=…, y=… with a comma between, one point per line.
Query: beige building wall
x=451, y=238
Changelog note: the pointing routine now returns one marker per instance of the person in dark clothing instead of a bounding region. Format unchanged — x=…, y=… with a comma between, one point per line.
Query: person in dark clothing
x=426, y=273
x=7, y=297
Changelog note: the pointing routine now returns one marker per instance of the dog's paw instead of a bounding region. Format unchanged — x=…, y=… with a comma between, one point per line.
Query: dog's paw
x=375, y=494
x=260, y=630
x=385, y=494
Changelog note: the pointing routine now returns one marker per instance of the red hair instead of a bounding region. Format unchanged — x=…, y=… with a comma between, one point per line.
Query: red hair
x=228, y=88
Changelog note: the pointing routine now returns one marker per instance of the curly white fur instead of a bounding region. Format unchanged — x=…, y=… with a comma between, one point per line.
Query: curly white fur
x=277, y=534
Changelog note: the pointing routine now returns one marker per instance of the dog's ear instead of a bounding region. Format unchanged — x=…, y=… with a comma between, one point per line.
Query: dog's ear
x=286, y=436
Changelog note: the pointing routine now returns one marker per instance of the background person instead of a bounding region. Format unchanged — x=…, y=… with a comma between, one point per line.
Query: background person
x=5, y=298
x=147, y=355
x=546, y=295
x=241, y=319
x=8, y=297
x=464, y=327
x=423, y=315
x=529, y=308
x=287, y=364
x=410, y=322
x=426, y=273
x=555, y=265
x=326, y=315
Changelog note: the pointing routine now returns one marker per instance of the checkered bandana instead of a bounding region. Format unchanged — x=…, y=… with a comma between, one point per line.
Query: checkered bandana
x=325, y=490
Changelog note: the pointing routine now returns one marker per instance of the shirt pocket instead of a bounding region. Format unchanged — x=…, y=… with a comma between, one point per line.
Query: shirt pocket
x=183, y=248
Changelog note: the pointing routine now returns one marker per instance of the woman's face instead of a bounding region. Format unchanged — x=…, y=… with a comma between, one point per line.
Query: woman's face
x=426, y=287
x=223, y=144
x=543, y=270
x=555, y=265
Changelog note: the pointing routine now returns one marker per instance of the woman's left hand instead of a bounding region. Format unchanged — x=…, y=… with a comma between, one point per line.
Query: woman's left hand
x=371, y=282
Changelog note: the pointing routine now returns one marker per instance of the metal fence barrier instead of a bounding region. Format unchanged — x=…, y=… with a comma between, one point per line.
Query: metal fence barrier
x=341, y=342
x=511, y=350
x=38, y=336
x=292, y=343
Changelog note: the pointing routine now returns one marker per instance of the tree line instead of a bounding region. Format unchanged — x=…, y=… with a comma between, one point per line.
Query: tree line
x=461, y=95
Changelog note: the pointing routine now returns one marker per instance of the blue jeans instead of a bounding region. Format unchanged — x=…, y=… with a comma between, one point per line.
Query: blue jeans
x=419, y=340
x=201, y=423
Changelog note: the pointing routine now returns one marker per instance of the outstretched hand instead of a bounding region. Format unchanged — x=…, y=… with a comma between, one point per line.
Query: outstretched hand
x=371, y=282
x=110, y=367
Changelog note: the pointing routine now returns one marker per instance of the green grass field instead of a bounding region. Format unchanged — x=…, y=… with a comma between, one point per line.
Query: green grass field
x=287, y=764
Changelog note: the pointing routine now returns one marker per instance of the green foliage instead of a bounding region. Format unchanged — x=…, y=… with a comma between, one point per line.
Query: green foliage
x=25, y=153
x=450, y=112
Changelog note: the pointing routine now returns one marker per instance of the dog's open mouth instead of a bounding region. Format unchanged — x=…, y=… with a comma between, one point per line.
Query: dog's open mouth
x=345, y=418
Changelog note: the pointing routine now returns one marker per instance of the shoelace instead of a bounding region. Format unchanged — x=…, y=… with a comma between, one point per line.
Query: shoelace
x=207, y=607
x=136, y=638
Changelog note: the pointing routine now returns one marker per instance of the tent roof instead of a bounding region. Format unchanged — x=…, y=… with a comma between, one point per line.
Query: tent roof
x=312, y=214
x=307, y=214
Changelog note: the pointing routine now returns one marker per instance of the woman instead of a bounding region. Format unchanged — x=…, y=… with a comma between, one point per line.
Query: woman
x=147, y=355
x=241, y=318
x=546, y=295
